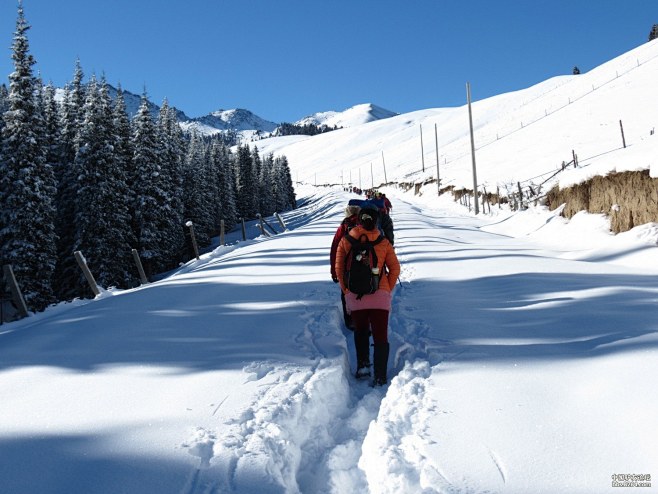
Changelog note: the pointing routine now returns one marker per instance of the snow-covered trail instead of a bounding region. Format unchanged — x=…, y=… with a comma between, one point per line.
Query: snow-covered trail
x=234, y=375
x=526, y=365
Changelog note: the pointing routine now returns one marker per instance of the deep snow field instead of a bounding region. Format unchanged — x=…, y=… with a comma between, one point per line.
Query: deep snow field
x=523, y=355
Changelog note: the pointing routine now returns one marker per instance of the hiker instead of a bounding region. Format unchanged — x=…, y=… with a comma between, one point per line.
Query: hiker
x=369, y=311
x=384, y=223
x=387, y=204
x=350, y=221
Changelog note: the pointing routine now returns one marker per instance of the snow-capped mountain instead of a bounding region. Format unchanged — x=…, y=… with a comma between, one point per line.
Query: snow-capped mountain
x=245, y=123
x=351, y=117
x=238, y=119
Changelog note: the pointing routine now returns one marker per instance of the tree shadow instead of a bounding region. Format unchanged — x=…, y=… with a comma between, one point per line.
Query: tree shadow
x=530, y=316
x=77, y=464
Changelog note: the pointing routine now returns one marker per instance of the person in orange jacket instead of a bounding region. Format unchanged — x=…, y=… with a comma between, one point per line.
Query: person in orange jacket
x=370, y=311
x=350, y=221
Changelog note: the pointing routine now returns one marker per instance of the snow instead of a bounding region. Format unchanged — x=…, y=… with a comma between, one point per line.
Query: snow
x=356, y=115
x=523, y=345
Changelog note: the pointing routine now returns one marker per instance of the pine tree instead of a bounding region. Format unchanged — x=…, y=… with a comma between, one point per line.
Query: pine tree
x=172, y=146
x=51, y=128
x=268, y=192
x=4, y=103
x=653, y=34
x=148, y=188
x=198, y=190
x=247, y=190
x=103, y=231
x=222, y=171
x=67, y=273
x=284, y=179
x=27, y=182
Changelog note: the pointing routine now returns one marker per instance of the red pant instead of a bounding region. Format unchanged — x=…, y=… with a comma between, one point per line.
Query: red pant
x=377, y=319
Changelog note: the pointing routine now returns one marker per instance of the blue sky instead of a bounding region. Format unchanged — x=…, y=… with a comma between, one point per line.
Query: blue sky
x=286, y=59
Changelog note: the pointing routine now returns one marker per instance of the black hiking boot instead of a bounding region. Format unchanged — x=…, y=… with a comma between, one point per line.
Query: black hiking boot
x=377, y=382
x=362, y=346
x=380, y=356
x=363, y=370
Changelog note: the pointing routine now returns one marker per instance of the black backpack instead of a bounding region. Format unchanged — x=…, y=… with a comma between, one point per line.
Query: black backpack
x=361, y=258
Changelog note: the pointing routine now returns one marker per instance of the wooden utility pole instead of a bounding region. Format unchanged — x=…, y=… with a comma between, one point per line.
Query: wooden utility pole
x=422, y=150
x=222, y=228
x=438, y=176
x=470, y=123
x=623, y=139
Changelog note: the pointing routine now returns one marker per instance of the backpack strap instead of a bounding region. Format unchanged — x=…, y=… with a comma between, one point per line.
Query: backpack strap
x=378, y=240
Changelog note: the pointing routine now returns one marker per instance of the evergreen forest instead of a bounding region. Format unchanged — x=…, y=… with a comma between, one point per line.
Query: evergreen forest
x=78, y=174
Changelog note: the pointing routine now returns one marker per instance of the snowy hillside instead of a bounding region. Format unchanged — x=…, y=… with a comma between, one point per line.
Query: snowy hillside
x=520, y=136
x=356, y=115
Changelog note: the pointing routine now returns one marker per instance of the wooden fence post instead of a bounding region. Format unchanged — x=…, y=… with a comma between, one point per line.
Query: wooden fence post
x=221, y=232
x=190, y=225
x=82, y=262
x=142, y=275
x=16, y=293
x=261, y=226
x=520, y=195
x=278, y=217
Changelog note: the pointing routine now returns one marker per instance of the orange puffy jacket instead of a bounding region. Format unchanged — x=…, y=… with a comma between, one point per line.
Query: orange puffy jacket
x=385, y=257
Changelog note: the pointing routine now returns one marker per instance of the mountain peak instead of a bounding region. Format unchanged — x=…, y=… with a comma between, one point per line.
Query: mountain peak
x=356, y=115
x=236, y=119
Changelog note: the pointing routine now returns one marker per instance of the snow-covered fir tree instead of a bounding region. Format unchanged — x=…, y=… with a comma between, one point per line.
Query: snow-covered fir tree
x=172, y=145
x=51, y=128
x=285, y=189
x=27, y=182
x=198, y=190
x=149, y=191
x=67, y=272
x=268, y=191
x=223, y=173
x=247, y=184
x=4, y=103
x=102, y=219
x=123, y=150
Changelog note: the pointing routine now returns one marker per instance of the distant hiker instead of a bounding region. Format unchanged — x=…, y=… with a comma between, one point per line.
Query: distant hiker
x=365, y=246
x=387, y=204
x=350, y=221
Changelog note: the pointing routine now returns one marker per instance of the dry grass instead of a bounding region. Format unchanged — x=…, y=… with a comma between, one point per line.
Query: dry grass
x=628, y=198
